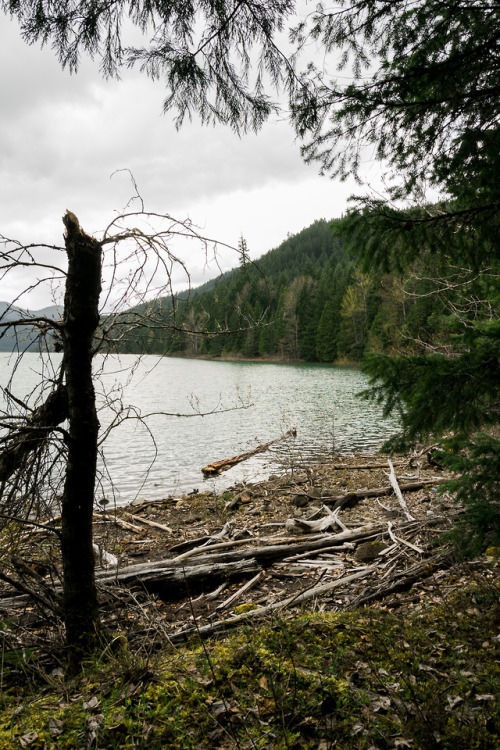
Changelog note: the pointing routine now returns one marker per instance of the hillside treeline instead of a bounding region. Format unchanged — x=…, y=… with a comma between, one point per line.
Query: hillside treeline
x=308, y=299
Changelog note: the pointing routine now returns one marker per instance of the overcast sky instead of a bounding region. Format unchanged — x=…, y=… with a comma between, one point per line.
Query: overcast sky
x=62, y=137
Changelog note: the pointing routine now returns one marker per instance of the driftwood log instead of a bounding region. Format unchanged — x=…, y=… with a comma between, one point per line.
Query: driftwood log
x=176, y=581
x=217, y=467
x=340, y=501
x=169, y=580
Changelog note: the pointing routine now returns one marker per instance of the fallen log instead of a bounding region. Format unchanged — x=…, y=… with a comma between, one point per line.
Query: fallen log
x=339, y=500
x=270, y=553
x=217, y=467
x=167, y=579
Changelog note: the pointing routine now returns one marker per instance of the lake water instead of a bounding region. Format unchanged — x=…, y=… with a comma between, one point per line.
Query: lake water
x=252, y=403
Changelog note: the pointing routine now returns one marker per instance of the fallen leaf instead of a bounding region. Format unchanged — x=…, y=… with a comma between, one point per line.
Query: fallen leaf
x=357, y=729
x=381, y=705
x=56, y=727
x=28, y=739
x=453, y=701
x=91, y=704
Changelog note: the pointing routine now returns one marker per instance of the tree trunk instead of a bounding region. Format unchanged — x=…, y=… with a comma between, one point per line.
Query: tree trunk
x=81, y=318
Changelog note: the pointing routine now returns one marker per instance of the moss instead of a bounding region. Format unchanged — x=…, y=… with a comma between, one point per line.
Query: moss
x=347, y=680
x=247, y=607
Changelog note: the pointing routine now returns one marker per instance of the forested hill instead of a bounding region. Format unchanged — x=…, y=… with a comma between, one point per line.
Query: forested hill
x=307, y=299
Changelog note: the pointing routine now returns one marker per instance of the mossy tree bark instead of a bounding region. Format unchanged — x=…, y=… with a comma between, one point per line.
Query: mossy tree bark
x=81, y=318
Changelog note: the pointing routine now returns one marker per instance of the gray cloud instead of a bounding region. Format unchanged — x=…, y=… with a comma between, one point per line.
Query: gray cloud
x=64, y=136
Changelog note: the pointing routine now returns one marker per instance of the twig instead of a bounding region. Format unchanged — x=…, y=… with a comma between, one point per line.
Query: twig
x=397, y=491
x=154, y=524
x=246, y=587
x=402, y=541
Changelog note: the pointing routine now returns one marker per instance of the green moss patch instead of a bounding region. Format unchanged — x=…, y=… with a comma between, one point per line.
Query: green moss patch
x=370, y=679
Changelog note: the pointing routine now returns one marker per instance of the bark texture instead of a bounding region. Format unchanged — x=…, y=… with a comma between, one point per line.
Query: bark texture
x=30, y=437
x=81, y=318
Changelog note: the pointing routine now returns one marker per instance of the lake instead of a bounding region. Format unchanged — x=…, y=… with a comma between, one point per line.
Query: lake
x=244, y=404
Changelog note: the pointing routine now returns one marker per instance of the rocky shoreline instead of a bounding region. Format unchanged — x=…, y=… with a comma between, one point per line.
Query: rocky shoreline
x=348, y=505
x=335, y=535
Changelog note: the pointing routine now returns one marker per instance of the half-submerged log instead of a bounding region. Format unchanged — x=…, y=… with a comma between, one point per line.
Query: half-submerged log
x=217, y=467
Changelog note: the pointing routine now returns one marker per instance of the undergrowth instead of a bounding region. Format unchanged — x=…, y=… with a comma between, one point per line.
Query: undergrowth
x=372, y=679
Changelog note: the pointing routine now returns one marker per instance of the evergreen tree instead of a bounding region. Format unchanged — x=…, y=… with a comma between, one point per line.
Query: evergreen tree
x=213, y=57
x=426, y=95
x=326, y=339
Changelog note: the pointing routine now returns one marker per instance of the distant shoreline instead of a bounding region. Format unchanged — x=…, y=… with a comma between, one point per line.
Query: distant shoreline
x=343, y=362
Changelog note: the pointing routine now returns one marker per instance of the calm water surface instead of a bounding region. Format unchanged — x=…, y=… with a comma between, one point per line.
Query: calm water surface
x=252, y=403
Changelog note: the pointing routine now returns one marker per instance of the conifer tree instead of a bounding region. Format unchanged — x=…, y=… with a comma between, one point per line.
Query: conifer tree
x=215, y=58
x=425, y=96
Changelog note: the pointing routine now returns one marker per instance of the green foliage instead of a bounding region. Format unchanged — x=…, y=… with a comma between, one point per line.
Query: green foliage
x=349, y=680
x=214, y=58
x=424, y=92
x=425, y=95
x=477, y=464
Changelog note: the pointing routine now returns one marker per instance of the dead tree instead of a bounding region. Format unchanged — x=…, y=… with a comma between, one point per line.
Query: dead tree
x=48, y=454
x=81, y=319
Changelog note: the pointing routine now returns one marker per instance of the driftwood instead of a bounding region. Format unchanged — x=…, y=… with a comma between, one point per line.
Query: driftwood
x=206, y=567
x=397, y=540
x=403, y=580
x=397, y=491
x=147, y=522
x=126, y=525
x=169, y=580
x=270, y=553
x=329, y=521
x=217, y=467
x=340, y=500
x=400, y=581
x=217, y=627
x=243, y=590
